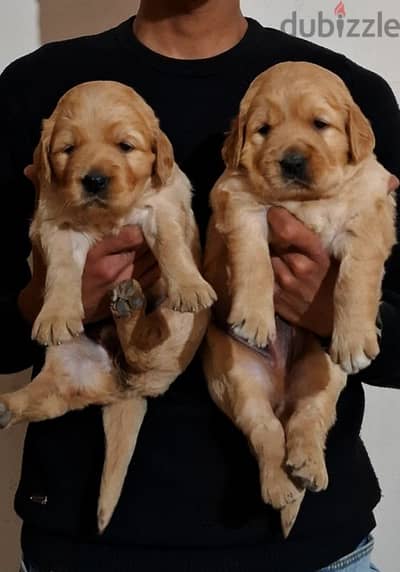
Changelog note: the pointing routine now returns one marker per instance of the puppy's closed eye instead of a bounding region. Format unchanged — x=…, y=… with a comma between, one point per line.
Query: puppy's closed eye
x=69, y=149
x=320, y=124
x=126, y=147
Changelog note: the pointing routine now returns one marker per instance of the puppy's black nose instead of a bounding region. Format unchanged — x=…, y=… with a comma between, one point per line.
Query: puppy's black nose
x=95, y=183
x=294, y=166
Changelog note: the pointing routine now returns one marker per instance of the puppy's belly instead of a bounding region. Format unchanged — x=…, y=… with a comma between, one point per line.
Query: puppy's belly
x=270, y=366
x=278, y=353
x=80, y=362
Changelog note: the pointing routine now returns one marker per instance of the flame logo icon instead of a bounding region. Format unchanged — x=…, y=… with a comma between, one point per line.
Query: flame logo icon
x=340, y=10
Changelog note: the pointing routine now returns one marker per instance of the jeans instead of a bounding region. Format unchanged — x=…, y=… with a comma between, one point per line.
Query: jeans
x=357, y=561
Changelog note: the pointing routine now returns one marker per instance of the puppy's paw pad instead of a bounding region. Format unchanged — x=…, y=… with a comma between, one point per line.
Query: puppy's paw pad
x=5, y=416
x=126, y=298
x=307, y=465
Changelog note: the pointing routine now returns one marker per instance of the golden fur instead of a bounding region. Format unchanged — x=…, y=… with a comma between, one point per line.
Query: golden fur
x=107, y=128
x=285, y=401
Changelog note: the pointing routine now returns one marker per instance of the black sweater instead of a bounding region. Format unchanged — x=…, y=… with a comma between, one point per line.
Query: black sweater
x=191, y=500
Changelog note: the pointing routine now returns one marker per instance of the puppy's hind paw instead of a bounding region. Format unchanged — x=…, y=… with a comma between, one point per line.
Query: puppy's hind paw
x=278, y=490
x=306, y=465
x=127, y=297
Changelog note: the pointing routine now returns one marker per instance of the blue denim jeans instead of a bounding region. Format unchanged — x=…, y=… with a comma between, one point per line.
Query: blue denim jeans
x=357, y=561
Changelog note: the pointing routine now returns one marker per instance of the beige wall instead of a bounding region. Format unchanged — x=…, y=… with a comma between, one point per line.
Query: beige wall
x=19, y=32
x=61, y=19
x=10, y=454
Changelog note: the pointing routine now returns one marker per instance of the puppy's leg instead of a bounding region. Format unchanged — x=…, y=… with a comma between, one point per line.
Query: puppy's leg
x=157, y=346
x=242, y=390
x=74, y=376
x=243, y=224
x=65, y=251
x=315, y=384
x=165, y=230
x=138, y=332
x=265, y=433
x=122, y=421
x=356, y=302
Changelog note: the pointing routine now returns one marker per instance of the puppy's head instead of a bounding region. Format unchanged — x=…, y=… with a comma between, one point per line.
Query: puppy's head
x=297, y=131
x=101, y=148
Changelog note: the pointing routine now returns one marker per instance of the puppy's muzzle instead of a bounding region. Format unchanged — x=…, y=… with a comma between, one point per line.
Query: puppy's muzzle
x=294, y=166
x=95, y=184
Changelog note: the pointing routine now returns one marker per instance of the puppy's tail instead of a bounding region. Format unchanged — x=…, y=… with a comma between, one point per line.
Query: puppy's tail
x=289, y=514
x=122, y=421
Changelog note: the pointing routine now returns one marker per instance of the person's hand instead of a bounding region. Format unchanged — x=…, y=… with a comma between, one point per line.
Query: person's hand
x=111, y=261
x=305, y=276
x=30, y=173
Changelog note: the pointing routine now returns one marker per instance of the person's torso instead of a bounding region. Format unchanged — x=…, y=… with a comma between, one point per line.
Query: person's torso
x=193, y=481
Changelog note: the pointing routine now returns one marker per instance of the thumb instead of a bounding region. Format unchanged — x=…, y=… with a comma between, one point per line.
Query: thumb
x=29, y=172
x=393, y=184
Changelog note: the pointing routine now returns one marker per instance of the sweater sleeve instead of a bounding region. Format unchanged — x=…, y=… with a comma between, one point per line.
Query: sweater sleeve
x=17, y=199
x=379, y=104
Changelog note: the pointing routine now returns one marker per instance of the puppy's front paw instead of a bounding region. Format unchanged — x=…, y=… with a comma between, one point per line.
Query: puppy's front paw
x=254, y=323
x=192, y=296
x=354, y=351
x=56, y=326
x=127, y=297
x=306, y=463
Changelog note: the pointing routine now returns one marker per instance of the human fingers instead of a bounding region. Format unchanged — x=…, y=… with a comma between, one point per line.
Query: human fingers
x=143, y=263
x=150, y=277
x=290, y=234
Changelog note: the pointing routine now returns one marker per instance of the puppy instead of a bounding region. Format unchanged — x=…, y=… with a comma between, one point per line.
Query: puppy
x=103, y=163
x=299, y=142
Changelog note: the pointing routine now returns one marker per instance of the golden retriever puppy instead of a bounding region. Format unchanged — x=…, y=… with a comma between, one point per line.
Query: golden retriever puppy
x=299, y=142
x=103, y=163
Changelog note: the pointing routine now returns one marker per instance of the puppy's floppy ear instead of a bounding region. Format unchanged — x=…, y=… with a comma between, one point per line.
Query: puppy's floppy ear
x=164, y=160
x=41, y=160
x=361, y=136
x=233, y=145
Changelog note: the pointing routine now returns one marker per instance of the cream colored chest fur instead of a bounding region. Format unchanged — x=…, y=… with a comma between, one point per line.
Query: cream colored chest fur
x=359, y=201
x=328, y=218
